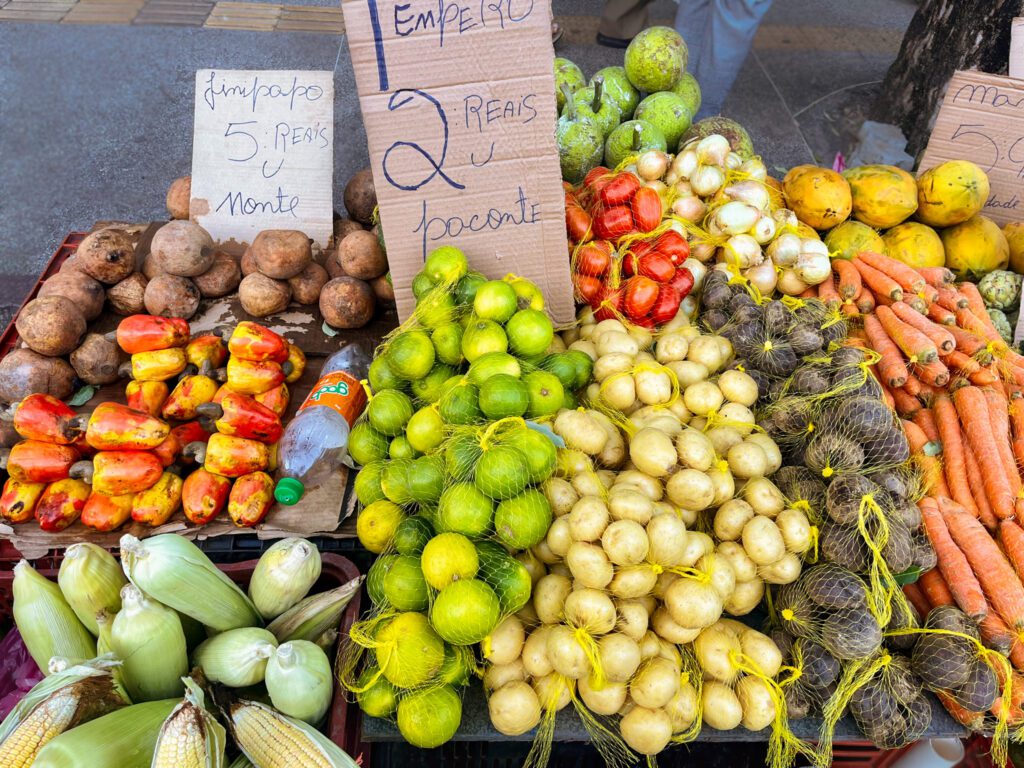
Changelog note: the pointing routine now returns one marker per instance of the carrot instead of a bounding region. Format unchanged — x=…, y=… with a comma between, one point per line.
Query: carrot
x=937, y=277
x=1016, y=414
x=955, y=568
x=934, y=588
x=951, y=299
x=909, y=279
x=865, y=301
x=940, y=337
x=915, y=345
x=905, y=404
x=973, y=410
x=963, y=364
x=984, y=377
x=925, y=453
x=929, y=295
x=995, y=633
x=999, y=418
x=879, y=282
x=827, y=292
x=849, y=278
x=975, y=303
x=934, y=373
x=809, y=293
x=971, y=344
x=953, y=459
x=1001, y=584
x=977, y=484
x=1011, y=536
x=887, y=396
x=940, y=314
x=975, y=721
x=891, y=366
x=913, y=386
x=917, y=599
x=925, y=419
x=971, y=322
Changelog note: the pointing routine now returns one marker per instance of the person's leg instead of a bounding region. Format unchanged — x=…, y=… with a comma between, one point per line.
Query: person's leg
x=692, y=19
x=622, y=20
x=732, y=26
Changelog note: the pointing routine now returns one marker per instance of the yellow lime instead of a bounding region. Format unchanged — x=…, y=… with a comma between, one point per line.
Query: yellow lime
x=491, y=364
x=460, y=404
x=448, y=557
x=459, y=663
x=527, y=292
x=394, y=481
x=495, y=300
x=401, y=448
x=408, y=650
x=584, y=367
x=366, y=444
x=446, y=264
x=426, y=479
x=522, y=522
x=404, y=586
x=436, y=309
x=410, y=355
x=502, y=395
x=481, y=337
x=430, y=717
x=562, y=365
x=425, y=430
x=465, y=612
x=461, y=454
x=389, y=411
x=508, y=578
x=447, y=340
x=502, y=472
x=540, y=453
x=367, y=483
x=376, y=524
x=464, y=509
x=529, y=332
x=546, y=394
x=377, y=697
x=429, y=388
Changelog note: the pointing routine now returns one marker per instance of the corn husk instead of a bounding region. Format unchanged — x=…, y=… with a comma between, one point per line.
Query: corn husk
x=123, y=739
x=241, y=762
x=148, y=639
x=195, y=633
x=327, y=640
x=91, y=580
x=57, y=704
x=300, y=681
x=48, y=625
x=175, y=572
x=283, y=576
x=236, y=658
x=190, y=737
x=105, y=646
x=272, y=740
x=317, y=614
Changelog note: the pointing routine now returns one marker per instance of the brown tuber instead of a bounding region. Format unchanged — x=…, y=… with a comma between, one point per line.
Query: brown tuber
x=383, y=288
x=343, y=226
x=171, y=296
x=183, y=248
x=347, y=302
x=281, y=253
x=248, y=262
x=179, y=196
x=333, y=266
x=129, y=296
x=361, y=197
x=361, y=256
x=51, y=325
x=84, y=292
x=107, y=255
x=96, y=361
x=151, y=267
x=261, y=295
x=307, y=284
x=24, y=372
x=221, y=278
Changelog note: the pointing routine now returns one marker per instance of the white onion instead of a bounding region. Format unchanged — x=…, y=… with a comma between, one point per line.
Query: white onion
x=702, y=251
x=764, y=230
x=764, y=277
x=685, y=163
x=688, y=306
x=707, y=180
x=697, y=269
x=750, y=192
x=733, y=161
x=631, y=168
x=691, y=208
x=741, y=250
x=672, y=177
x=755, y=169
x=813, y=268
x=652, y=164
x=675, y=226
x=682, y=187
x=784, y=249
x=735, y=217
x=790, y=283
x=810, y=245
x=785, y=217
x=658, y=186
x=713, y=149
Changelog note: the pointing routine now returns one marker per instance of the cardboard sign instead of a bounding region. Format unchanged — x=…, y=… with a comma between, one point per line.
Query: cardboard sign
x=263, y=153
x=1017, y=48
x=458, y=100
x=982, y=120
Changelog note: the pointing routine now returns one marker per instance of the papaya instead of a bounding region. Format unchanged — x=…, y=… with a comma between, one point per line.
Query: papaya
x=951, y=193
x=1014, y=232
x=915, y=244
x=819, y=197
x=975, y=247
x=883, y=195
x=850, y=238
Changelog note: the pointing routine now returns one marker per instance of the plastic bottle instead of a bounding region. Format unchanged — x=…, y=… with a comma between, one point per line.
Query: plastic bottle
x=315, y=442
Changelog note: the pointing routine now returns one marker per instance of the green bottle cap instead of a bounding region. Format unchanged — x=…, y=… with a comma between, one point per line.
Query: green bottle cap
x=289, y=490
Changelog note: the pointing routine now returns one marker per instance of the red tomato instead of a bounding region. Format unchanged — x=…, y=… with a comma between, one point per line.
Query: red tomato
x=641, y=294
x=645, y=322
x=667, y=305
x=682, y=282
x=620, y=189
x=587, y=287
x=656, y=266
x=632, y=254
x=594, y=258
x=600, y=172
x=647, y=209
x=673, y=245
x=577, y=222
x=612, y=223
x=593, y=183
x=607, y=305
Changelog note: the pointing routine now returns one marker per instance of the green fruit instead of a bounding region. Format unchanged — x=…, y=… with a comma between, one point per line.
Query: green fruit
x=737, y=135
x=503, y=395
x=375, y=577
x=428, y=389
x=495, y=300
x=461, y=405
x=546, y=394
x=481, y=337
x=529, y=332
x=492, y=364
x=389, y=411
x=430, y=717
x=446, y=264
x=448, y=557
x=502, y=472
x=404, y=585
x=563, y=367
x=465, y=291
x=410, y=355
x=366, y=444
x=422, y=285
x=408, y=651
x=689, y=89
x=508, y=578
x=568, y=73
x=584, y=367
x=448, y=343
x=668, y=113
x=487, y=550
x=377, y=697
x=631, y=138
x=425, y=479
x=367, y=483
x=436, y=309
x=412, y=534
x=401, y=449
x=656, y=59
x=618, y=88
x=464, y=509
x=457, y=666
x=425, y=429
x=591, y=104
x=382, y=377
x=465, y=612
x=570, y=402
x=395, y=481
x=523, y=521
x=461, y=454
x=580, y=142
x=540, y=453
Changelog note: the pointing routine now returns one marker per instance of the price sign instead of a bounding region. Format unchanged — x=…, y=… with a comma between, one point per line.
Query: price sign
x=458, y=99
x=982, y=120
x=263, y=153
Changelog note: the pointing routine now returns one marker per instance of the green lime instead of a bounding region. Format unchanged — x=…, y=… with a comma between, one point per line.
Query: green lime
x=411, y=355
x=529, y=332
x=425, y=430
x=446, y=264
x=408, y=650
x=376, y=524
x=430, y=717
x=461, y=454
x=404, y=585
x=569, y=401
x=448, y=557
x=429, y=513
x=460, y=405
x=389, y=411
x=487, y=551
x=465, y=612
x=495, y=300
x=382, y=377
x=523, y=521
x=367, y=483
x=422, y=285
x=584, y=367
x=377, y=697
x=447, y=340
x=491, y=364
x=463, y=509
x=412, y=535
x=481, y=337
x=436, y=309
x=428, y=389
x=425, y=479
x=502, y=396
x=546, y=394
x=457, y=666
x=509, y=579
x=502, y=472
x=401, y=448
x=540, y=453
x=562, y=366
x=465, y=291
x=366, y=444
x=395, y=481
x=375, y=577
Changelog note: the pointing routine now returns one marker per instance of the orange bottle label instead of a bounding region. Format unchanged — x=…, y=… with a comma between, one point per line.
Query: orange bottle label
x=341, y=392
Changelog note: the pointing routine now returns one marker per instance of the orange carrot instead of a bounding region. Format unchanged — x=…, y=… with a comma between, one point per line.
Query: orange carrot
x=891, y=367
x=970, y=321
x=974, y=302
x=977, y=484
x=953, y=459
x=940, y=314
x=809, y=293
x=913, y=386
x=934, y=373
x=924, y=452
x=971, y=344
x=908, y=278
x=827, y=292
x=865, y=301
x=879, y=282
x=951, y=299
x=937, y=277
x=963, y=364
x=984, y=377
x=999, y=418
x=1011, y=536
x=917, y=599
x=887, y=396
x=1016, y=414
x=973, y=409
x=929, y=295
x=934, y=588
x=915, y=345
x=905, y=404
x=849, y=278
x=995, y=633
x=940, y=337
x=975, y=721
x=955, y=568
x=925, y=419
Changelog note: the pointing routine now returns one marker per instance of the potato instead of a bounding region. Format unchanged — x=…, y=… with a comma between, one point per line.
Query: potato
x=347, y=302
x=693, y=603
x=747, y=460
x=179, y=197
x=738, y=387
x=514, y=708
x=50, y=325
x=625, y=503
x=565, y=653
x=589, y=565
x=129, y=296
x=654, y=685
x=688, y=372
x=498, y=675
x=96, y=361
x=762, y=650
x=549, y=597
x=667, y=536
x=707, y=351
x=763, y=541
x=306, y=285
x=625, y=542
x=80, y=289
x=580, y=431
x=698, y=544
x=795, y=530
x=535, y=654
x=505, y=642
x=183, y=248
x=756, y=702
x=23, y=372
x=653, y=387
x=554, y=691
x=725, y=485
x=682, y=709
x=646, y=731
x=221, y=278
x=615, y=342
x=558, y=538
x=343, y=225
x=690, y=489
x=653, y=452
x=171, y=296
x=633, y=581
x=588, y=482
x=384, y=290
x=715, y=648
x=606, y=700
x=702, y=397
x=649, y=486
x=730, y=519
x=590, y=609
x=720, y=707
x=545, y=555
x=107, y=255
x=560, y=494
x=360, y=197
x=723, y=437
x=744, y=568
x=612, y=364
x=668, y=629
x=771, y=451
x=588, y=519
x=633, y=618
x=360, y=255
x=738, y=417
x=784, y=571
x=695, y=450
x=745, y=597
x=618, y=392
x=671, y=347
x=764, y=496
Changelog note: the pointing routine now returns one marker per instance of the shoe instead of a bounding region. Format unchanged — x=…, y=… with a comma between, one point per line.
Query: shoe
x=556, y=32
x=612, y=42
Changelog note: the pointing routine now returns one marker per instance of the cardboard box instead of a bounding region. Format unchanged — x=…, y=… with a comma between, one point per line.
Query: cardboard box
x=1017, y=48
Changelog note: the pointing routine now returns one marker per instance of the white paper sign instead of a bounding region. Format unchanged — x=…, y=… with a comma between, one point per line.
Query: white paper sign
x=1016, y=64
x=263, y=153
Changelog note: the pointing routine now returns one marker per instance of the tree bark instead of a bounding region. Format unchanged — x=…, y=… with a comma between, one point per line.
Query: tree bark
x=943, y=36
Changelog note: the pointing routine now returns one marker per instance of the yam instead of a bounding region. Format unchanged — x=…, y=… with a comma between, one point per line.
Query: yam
x=51, y=325
x=221, y=278
x=343, y=226
x=383, y=289
x=107, y=255
x=129, y=296
x=23, y=372
x=332, y=265
x=179, y=197
x=361, y=197
x=851, y=634
x=979, y=691
x=846, y=495
x=84, y=292
x=151, y=266
x=281, y=253
x=347, y=302
x=248, y=262
x=96, y=361
x=360, y=255
x=820, y=668
x=829, y=453
x=183, y=248
x=306, y=285
x=261, y=295
x=171, y=296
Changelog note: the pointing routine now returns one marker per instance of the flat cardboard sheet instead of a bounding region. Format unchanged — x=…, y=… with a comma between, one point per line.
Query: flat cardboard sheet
x=459, y=106
x=982, y=120
x=263, y=153
x=1017, y=48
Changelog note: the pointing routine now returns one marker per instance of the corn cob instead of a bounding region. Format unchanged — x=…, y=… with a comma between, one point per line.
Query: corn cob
x=273, y=740
x=300, y=681
x=236, y=658
x=91, y=581
x=190, y=737
x=241, y=762
x=48, y=625
x=317, y=614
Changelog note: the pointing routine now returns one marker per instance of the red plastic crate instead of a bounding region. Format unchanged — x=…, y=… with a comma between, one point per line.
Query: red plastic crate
x=866, y=755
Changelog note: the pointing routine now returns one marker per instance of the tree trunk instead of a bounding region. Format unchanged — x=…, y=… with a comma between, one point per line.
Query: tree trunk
x=943, y=36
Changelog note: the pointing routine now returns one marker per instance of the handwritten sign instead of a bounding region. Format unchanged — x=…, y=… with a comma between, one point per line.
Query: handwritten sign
x=263, y=153
x=458, y=99
x=982, y=120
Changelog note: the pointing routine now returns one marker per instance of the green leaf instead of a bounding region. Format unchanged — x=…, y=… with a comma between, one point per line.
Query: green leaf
x=82, y=396
x=909, y=576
